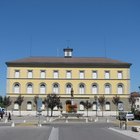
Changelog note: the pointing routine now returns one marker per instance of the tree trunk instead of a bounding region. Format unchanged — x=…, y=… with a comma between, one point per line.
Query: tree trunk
x=20, y=111
x=102, y=111
x=116, y=110
x=87, y=112
x=51, y=112
x=6, y=111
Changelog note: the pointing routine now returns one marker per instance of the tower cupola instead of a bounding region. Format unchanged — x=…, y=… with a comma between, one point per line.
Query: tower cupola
x=68, y=52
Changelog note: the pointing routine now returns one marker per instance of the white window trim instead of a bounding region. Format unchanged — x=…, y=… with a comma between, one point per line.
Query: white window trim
x=81, y=74
x=42, y=74
x=107, y=74
x=68, y=74
x=94, y=75
x=30, y=73
x=17, y=73
x=55, y=74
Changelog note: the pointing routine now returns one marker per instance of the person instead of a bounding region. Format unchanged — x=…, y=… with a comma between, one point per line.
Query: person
x=9, y=116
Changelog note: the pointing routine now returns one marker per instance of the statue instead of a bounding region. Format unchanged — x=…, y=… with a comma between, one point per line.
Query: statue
x=72, y=92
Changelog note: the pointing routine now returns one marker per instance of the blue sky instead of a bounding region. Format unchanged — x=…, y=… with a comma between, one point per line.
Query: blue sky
x=90, y=25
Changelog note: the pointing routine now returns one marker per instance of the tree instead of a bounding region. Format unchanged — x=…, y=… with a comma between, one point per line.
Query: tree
x=96, y=100
x=1, y=101
x=52, y=101
x=6, y=102
x=19, y=101
x=132, y=100
x=35, y=101
x=116, y=100
x=87, y=105
x=101, y=100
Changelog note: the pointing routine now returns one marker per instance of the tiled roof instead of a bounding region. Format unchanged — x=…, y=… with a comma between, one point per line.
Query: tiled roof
x=85, y=61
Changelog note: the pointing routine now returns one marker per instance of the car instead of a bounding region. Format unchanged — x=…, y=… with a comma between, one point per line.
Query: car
x=2, y=110
x=124, y=115
x=130, y=116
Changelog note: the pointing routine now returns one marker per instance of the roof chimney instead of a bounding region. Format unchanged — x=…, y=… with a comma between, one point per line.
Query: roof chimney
x=68, y=52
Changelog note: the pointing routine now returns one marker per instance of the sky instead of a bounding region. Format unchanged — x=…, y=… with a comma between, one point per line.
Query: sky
x=93, y=28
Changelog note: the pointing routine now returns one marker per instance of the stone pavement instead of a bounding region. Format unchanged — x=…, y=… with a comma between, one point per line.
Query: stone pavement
x=33, y=121
x=128, y=132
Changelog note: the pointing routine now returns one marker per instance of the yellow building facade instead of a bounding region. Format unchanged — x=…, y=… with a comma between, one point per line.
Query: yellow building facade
x=89, y=77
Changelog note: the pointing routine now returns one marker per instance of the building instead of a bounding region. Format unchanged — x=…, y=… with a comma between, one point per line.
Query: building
x=135, y=97
x=88, y=76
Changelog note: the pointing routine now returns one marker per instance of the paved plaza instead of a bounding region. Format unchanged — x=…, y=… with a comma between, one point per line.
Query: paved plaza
x=56, y=128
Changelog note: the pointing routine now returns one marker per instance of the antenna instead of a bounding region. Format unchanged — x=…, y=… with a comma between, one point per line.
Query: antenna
x=105, y=51
x=31, y=46
x=68, y=43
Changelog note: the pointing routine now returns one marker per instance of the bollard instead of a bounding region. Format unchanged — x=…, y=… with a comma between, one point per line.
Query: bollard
x=66, y=120
x=6, y=121
x=107, y=120
x=39, y=125
x=13, y=124
x=86, y=120
x=24, y=121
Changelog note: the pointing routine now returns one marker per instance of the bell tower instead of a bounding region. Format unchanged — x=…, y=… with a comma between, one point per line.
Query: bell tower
x=68, y=52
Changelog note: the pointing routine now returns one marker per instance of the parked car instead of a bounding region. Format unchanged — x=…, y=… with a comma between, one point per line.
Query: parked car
x=137, y=114
x=123, y=115
x=2, y=110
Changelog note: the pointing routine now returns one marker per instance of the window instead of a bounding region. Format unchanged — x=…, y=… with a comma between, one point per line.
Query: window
x=120, y=89
x=68, y=74
x=81, y=75
x=107, y=106
x=94, y=89
x=55, y=88
x=107, y=89
x=94, y=74
x=29, y=105
x=81, y=89
x=107, y=75
x=17, y=73
x=42, y=74
x=29, y=88
x=68, y=89
x=119, y=74
x=81, y=107
x=16, y=88
x=55, y=74
x=42, y=88
x=55, y=108
x=138, y=106
x=94, y=107
x=16, y=106
x=30, y=74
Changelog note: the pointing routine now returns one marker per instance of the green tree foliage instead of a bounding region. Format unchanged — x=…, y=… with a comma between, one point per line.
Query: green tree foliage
x=101, y=101
x=6, y=102
x=35, y=102
x=115, y=101
x=132, y=100
x=87, y=105
x=1, y=101
x=19, y=101
x=52, y=101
